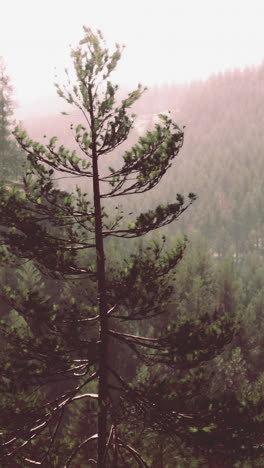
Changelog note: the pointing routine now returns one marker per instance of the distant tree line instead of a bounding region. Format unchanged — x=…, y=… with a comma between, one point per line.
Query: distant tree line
x=115, y=355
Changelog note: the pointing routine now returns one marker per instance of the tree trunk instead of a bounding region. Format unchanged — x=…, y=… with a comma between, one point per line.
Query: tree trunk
x=102, y=304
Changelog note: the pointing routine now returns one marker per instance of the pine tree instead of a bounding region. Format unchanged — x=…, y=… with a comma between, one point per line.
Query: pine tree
x=70, y=348
x=10, y=153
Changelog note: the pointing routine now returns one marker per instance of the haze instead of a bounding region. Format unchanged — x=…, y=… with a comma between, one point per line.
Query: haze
x=166, y=41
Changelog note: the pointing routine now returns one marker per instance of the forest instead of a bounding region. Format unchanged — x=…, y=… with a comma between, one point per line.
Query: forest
x=132, y=275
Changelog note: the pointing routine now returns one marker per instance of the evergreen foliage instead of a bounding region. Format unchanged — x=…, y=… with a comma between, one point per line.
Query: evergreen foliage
x=11, y=158
x=222, y=156
x=101, y=359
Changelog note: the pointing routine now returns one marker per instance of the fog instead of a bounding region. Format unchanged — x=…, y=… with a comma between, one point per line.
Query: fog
x=166, y=42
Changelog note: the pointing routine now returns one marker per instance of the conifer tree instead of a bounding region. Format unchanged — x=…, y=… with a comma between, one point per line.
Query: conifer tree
x=65, y=352
x=10, y=153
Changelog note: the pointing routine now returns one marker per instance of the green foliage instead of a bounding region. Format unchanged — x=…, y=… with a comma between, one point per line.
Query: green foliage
x=222, y=160
x=105, y=354
x=11, y=156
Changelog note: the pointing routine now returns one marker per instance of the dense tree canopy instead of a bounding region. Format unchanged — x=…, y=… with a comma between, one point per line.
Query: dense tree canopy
x=221, y=158
x=108, y=359
x=11, y=156
x=222, y=155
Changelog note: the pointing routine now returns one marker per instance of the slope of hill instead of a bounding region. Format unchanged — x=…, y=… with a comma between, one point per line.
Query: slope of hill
x=222, y=160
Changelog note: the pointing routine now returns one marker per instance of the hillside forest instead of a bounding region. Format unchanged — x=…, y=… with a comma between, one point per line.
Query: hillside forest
x=132, y=274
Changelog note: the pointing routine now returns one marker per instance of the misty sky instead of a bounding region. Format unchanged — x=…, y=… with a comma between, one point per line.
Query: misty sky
x=166, y=40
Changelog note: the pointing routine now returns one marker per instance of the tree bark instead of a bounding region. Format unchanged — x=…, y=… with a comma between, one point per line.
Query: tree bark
x=102, y=304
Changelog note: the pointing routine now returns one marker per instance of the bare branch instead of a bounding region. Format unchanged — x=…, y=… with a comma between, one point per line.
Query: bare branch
x=126, y=335
x=33, y=462
x=77, y=448
x=96, y=317
x=54, y=433
x=86, y=395
x=134, y=453
x=108, y=441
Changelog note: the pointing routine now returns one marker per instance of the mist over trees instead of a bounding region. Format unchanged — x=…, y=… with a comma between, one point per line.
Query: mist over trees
x=11, y=155
x=221, y=159
x=182, y=381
